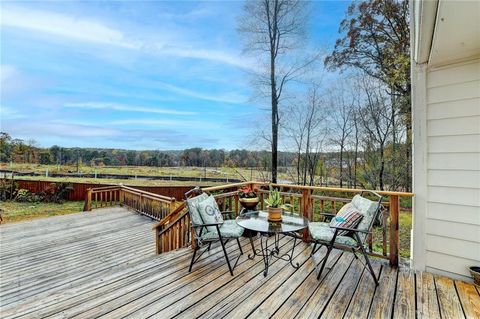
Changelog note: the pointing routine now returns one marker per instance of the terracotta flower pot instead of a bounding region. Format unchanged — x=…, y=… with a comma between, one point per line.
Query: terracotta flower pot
x=274, y=214
x=249, y=203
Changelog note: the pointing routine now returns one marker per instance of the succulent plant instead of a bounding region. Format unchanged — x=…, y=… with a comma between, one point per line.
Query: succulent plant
x=274, y=199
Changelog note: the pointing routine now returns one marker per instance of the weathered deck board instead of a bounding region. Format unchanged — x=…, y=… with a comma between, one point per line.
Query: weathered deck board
x=102, y=264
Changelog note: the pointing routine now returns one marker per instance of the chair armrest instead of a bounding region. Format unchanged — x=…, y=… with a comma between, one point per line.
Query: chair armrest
x=328, y=214
x=350, y=229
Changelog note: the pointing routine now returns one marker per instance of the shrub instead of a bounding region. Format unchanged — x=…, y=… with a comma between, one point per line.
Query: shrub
x=8, y=189
x=56, y=192
x=24, y=195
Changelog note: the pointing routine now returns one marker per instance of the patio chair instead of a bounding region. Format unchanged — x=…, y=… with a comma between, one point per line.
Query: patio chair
x=208, y=232
x=347, y=238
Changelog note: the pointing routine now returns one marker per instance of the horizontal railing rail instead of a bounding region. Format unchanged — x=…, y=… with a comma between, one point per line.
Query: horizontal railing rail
x=308, y=201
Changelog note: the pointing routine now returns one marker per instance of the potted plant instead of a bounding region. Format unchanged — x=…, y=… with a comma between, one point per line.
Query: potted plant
x=248, y=198
x=475, y=272
x=274, y=204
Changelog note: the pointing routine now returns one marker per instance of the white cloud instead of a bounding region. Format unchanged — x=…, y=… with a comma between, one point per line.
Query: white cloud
x=225, y=98
x=87, y=30
x=164, y=123
x=63, y=25
x=123, y=107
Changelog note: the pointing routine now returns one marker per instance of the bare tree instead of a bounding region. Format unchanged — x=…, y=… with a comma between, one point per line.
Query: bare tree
x=342, y=103
x=376, y=122
x=275, y=29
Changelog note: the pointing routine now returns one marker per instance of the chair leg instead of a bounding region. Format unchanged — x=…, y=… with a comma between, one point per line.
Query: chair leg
x=367, y=260
x=209, y=246
x=370, y=268
x=313, y=250
x=193, y=259
x=329, y=249
x=239, y=246
x=226, y=255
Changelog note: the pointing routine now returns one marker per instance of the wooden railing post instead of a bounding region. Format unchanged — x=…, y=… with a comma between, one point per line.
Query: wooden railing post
x=307, y=209
x=88, y=201
x=394, y=229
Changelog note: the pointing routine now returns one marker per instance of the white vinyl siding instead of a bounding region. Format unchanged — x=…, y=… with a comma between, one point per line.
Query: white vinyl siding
x=452, y=226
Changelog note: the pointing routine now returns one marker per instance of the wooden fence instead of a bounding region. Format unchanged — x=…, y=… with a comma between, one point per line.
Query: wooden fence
x=174, y=231
x=80, y=189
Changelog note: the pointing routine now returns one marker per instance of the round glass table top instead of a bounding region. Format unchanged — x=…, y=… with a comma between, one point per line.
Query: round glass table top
x=258, y=221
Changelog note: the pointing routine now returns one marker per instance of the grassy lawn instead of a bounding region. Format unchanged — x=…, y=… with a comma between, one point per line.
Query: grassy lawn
x=405, y=221
x=15, y=212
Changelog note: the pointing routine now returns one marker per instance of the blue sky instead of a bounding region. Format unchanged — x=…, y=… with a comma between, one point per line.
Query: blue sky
x=133, y=74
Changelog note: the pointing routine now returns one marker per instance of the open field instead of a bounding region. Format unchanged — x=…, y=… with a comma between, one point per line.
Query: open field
x=196, y=172
x=114, y=181
x=15, y=212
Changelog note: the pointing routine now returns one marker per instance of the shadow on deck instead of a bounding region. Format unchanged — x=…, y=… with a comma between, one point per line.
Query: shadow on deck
x=102, y=263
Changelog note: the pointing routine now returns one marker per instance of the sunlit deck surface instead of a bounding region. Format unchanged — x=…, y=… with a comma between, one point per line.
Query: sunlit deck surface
x=102, y=264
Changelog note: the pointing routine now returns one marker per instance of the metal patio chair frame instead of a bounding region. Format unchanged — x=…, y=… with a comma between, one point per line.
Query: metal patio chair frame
x=199, y=242
x=354, y=233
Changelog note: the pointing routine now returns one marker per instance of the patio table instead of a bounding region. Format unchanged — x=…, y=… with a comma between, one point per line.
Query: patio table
x=289, y=226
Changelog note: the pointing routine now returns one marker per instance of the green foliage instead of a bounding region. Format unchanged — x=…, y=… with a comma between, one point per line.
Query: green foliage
x=8, y=189
x=274, y=199
x=25, y=196
x=56, y=192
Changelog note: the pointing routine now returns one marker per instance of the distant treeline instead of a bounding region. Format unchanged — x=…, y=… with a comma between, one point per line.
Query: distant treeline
x=21, y=151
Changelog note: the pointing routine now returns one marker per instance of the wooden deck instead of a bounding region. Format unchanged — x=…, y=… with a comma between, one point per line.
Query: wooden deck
x=102, y=264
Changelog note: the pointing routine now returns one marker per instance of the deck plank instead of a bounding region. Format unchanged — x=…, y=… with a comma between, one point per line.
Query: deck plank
x=313, y=307
x=102, y=264
x=427, y=301
x=363, y=295
x=450, y=306
x=295, y=301
x=337, y=306
x=405, y=295
x=240, y=303
x=469, y=298
x=220, y=288
x=274, y=301
x=382, y=303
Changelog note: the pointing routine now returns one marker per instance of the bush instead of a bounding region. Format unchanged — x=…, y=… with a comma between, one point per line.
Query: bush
x=56, y=192
x=25, y=196
x=8, y=189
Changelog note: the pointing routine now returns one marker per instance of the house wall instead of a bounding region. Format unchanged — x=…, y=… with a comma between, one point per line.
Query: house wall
x=447, y=168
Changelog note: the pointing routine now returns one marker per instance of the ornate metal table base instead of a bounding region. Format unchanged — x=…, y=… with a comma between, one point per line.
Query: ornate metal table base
x=268, y=253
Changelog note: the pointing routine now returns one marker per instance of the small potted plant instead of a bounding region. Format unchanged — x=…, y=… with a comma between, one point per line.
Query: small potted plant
x=475, y=272
x=248, y=198
x=274, y=204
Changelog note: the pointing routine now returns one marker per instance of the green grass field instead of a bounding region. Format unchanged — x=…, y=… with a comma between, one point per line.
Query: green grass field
x=15, y=212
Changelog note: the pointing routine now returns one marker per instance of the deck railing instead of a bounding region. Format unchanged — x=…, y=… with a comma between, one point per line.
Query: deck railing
x=149, y=204
x=174, y=231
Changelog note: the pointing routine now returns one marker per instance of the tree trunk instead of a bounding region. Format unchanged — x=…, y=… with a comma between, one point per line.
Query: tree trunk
x=341, y=165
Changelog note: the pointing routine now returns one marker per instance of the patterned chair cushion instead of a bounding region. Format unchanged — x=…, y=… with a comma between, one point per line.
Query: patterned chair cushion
x=229, y=229
x=322, y=231
x=193, y=210
x=210, y=212
x=348, y=216
x=368, y=209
